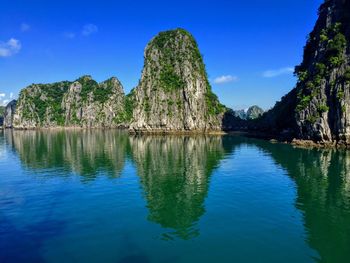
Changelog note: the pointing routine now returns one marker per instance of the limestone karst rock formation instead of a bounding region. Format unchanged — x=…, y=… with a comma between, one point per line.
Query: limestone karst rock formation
x=174, y=93
x=318, y=108
x=9, y=112
x=81, y=103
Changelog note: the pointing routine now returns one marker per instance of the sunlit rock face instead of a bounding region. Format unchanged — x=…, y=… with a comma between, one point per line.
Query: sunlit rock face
x=174, y=93
x=86, y=153
x=175, y=174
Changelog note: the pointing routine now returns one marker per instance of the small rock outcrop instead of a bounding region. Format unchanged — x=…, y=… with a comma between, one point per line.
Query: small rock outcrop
x=9, y=112
x=82, y=103
x=318, y=109
x=174, y=94
x=254, y=112
x=251, y=113
x=242, y=114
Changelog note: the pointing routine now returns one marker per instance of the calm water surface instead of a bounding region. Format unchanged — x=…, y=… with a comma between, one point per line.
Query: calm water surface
x=105, y=196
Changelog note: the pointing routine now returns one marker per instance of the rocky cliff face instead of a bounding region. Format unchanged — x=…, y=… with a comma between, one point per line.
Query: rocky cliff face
x=319, y=107
x=9, y=112
x=323, y=92
x=2, y=110
x=82, y=103
x=174, y=93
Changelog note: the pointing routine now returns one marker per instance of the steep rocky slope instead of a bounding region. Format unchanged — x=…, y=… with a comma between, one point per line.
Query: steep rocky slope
x=2, y=110
x=8, y=114
x=174, y=93
x=82, y=103
x=319, y=107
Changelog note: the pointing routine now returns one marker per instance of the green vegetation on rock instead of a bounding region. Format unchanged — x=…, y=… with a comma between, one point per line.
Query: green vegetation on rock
x=310, y=77
x=304, y=101
x=129, y=106
x=103, y=92
x=89, y=87
x=2, y=110
x=46, y=100
x=83, y=102
x=170, y=80
x=213, y=104
x=322, y=108
x=174, y=92
x=347, y=76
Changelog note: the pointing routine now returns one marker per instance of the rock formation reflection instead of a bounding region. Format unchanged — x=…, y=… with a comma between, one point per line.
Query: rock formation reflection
x=85, y=152
x=322, y=178
x=175, y=173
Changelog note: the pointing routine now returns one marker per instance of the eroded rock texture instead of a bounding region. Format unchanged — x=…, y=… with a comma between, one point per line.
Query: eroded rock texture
x=9, y=112
x=82, y=103
x=318, y=108
x=174, y=93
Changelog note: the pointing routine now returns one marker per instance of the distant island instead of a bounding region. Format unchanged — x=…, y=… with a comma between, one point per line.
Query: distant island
x=252, y=113
x=175, y=96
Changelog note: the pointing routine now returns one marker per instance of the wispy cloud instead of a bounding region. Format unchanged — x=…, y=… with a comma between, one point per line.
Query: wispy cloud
x=25, y=27
x=277, y=72
x=86, y=31
x=89, y=29
x=225, y=79
x=4, y=102
x=6, y=98
x=69, y=35
x=10, y=47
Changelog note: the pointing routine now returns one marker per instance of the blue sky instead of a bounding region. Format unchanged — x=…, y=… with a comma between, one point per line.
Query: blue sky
x=249, y=47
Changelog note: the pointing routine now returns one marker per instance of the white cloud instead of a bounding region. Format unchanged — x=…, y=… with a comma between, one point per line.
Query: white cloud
x=5, y=102
x=10, y=47
x=225, y=79
x=277, y=72
x=89, y=29
x=6, y=98
x=25, y=27
x=69, y=35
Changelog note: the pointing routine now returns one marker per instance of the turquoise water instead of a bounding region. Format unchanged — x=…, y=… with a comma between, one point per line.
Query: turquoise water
x=105, y=196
